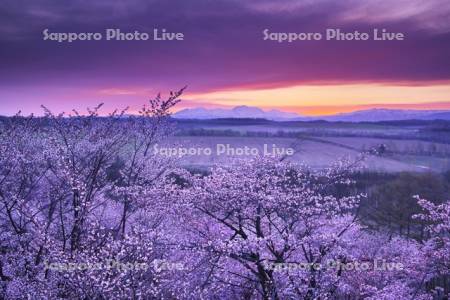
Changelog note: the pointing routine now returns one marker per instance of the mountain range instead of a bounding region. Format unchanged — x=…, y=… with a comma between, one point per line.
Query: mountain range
x=369, y=115
x=237, y=112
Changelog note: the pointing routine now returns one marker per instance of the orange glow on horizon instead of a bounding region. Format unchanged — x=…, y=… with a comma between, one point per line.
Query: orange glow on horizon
x=329, y=99
x=332, y=110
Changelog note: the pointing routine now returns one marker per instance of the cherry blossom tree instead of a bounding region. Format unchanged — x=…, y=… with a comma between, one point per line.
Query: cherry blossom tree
x=88, y=211
x=247, y=219
x=57, y=179
x=437, y=248
x=272, y=230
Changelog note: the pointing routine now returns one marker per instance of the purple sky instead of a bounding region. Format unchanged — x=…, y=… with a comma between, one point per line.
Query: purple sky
x=223, y=48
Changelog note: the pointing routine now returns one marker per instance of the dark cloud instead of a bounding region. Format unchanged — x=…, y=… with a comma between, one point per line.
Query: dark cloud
x=223, y=44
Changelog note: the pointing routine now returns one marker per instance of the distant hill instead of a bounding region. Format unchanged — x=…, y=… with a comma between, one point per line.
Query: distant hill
x=238, y=112
x=369, y=115
x=379, y=114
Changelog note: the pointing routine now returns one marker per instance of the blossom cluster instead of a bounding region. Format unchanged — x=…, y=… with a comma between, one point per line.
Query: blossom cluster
x=86, y=207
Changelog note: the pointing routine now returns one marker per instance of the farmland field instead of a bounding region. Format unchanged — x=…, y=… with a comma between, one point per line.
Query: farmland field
x=406, y=147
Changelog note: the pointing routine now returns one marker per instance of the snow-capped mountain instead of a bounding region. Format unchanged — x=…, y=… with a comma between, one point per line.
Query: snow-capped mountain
x=369, y=115
x=237, y=112
x=379, y=114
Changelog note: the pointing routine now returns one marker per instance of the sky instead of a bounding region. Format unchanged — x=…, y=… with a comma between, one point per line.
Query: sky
x=223, y=58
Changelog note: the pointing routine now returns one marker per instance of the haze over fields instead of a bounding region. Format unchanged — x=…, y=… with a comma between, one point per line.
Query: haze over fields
x=407, y=145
